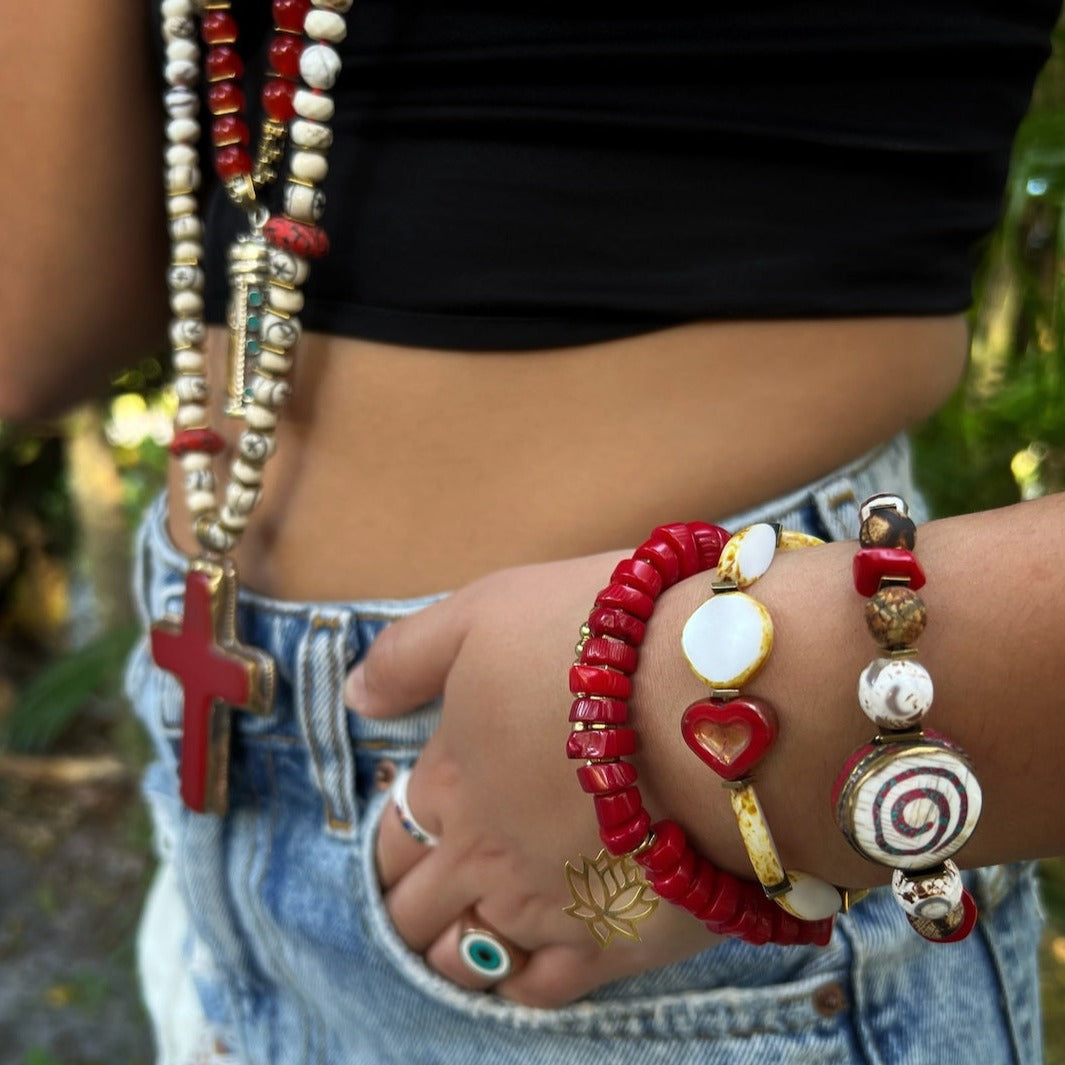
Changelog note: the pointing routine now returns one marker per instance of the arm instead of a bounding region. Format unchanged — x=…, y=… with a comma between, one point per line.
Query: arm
x=82, y=290
x=495, y=785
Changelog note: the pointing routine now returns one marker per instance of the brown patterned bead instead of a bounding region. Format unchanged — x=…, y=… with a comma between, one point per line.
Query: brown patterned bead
x=896, y=616
x=888, y=528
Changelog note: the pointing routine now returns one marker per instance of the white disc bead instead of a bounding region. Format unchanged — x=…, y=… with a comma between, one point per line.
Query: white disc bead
x=304, y=203
x=180, y=205
x=178, y=8
x=309, y=166
x=314, y=135
x=273, y=363
x=186, y=303
x=325, y=26
x=810, y=898
x=200, y=502
x=189, y=360
x=727, y=639
x=246, y=473
x=747, y=555
x=895, y=693
x=195, y=460
x=284, y=299
x=190, y=416
x=191, y=388
x=182, y=103
x=260, y=418
x=241, y=500
x=183, y=131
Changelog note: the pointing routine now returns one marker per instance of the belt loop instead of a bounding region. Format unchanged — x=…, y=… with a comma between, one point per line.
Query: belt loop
x=837, y=507
x=319, y=688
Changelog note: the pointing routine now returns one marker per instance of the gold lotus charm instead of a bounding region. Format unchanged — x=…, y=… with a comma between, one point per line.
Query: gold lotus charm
x=610, y=896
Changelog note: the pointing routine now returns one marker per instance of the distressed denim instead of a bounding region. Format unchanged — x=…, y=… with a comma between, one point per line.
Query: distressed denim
x=275, y=924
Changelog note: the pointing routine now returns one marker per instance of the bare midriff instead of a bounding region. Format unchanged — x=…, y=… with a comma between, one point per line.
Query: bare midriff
x=405, y=471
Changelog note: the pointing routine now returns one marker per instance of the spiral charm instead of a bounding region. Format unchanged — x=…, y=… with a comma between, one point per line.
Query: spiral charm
x=908, y=805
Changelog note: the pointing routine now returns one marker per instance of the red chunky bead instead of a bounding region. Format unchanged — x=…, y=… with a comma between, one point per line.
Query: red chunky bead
x=596, y=680
x=277, y=98
x=667, y=849
x=723, y=901
x=616, y=809
x=762, y=931
x=873, y=564
x=680, y=538
x=662, y=556
x=709, y=540
x=702, y=887
x=225, y=98
x=594, y=743
x=628, y=599
x=612, y=653
x=232, y=161
x=610, y=621
x=218, y=27
x=223, y=62
x=284, y=55
x=306, y=241
x=627, y=837
x=676, y=883
x=599, y=711
x=188, y=440
x=601, y=778
x=638, y=574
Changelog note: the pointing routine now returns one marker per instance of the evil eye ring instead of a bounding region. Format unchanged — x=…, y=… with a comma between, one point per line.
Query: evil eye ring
x=485, y=955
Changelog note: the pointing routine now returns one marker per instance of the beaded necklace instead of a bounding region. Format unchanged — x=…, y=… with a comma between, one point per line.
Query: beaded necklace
x=268, y=264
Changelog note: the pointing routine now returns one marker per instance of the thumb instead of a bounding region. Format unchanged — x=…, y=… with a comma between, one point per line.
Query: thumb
x=408, y=663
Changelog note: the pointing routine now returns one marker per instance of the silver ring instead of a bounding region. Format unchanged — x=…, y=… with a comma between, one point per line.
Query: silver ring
x=485, y=954
x=406, y=818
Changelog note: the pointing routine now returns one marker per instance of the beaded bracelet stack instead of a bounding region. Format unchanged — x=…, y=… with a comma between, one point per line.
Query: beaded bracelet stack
x=601, y=681
x=909, y=799
x=726, y=641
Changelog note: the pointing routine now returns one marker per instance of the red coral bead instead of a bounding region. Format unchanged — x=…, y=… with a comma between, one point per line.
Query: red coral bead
x=873, y=564
x=680, y=538
x=277, y=98
x=231, y=161
x=616, y=809
x=638, y=574
x=599, y=711
x=676, y=883
x=595, y=680
x=230, y=129
x=702, y=887
x=206, y=440
x=667, y=849
x=223, y=62
x=662, y=556
x=599, y=651
x=709, y=541
x=601, y=778
x=289, y=14
x=284, y=54
x=723, y=901
x=610, y=621
x=306, y=241
x=591, y=744
x=218, y=27
x=628, y=599
x=225, y=98
x=627, y=837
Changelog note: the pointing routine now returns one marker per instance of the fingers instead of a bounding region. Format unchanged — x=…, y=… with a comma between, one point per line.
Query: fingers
x=408, y=662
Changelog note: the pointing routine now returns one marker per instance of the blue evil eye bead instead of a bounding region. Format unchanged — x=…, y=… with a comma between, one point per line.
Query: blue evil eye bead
x=484, y=954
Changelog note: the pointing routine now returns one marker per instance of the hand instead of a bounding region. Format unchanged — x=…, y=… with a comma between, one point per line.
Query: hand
x=494, y=785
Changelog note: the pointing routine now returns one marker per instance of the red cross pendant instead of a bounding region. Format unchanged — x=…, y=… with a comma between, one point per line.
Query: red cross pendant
x=217, y=673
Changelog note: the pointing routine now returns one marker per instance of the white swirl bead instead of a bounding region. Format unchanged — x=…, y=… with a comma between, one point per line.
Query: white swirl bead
x=325, y=26
x=181, y=103
x=241, y=500
x=190, y=331
x=747, y=555
x=289, y=268
x=214, y=536
x=341, y=6
x=191, y=388
x=895, y=693
x=270, y=393
x=303, y=203
x=180, y=179
x=908, y=805
x=931, y=897
x=190, y=416
x=287, y=300
x=246, y=473
x=201, y=480
x=317, y=106
x=183, y=130
x=186, y=225
x=232, y=520
x=186, y=303
x=727, y=639
x=319, y=66
x=177, y=27
x=183, y=276
x=259, y=417
x=200, y=502
x=306, y=134
x=810, y=898
x=309, y=166
x=280, y=331
x=256, y=447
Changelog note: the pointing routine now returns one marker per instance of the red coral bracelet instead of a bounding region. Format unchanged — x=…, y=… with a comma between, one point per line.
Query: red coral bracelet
x=601, y=737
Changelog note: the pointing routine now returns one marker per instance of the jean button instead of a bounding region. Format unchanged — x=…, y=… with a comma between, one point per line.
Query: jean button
x=383, y=774
x=830, y=999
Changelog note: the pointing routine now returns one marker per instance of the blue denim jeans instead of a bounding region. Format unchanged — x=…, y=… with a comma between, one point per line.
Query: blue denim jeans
x=274, y=916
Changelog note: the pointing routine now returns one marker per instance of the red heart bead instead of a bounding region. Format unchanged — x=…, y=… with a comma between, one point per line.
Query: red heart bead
x=731, y=738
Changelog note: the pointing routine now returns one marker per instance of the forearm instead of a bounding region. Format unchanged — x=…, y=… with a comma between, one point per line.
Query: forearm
x=82, y=288
x=991, y=645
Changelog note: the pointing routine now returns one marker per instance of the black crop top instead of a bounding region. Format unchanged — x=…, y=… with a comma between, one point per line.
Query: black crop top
x=515, y=175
